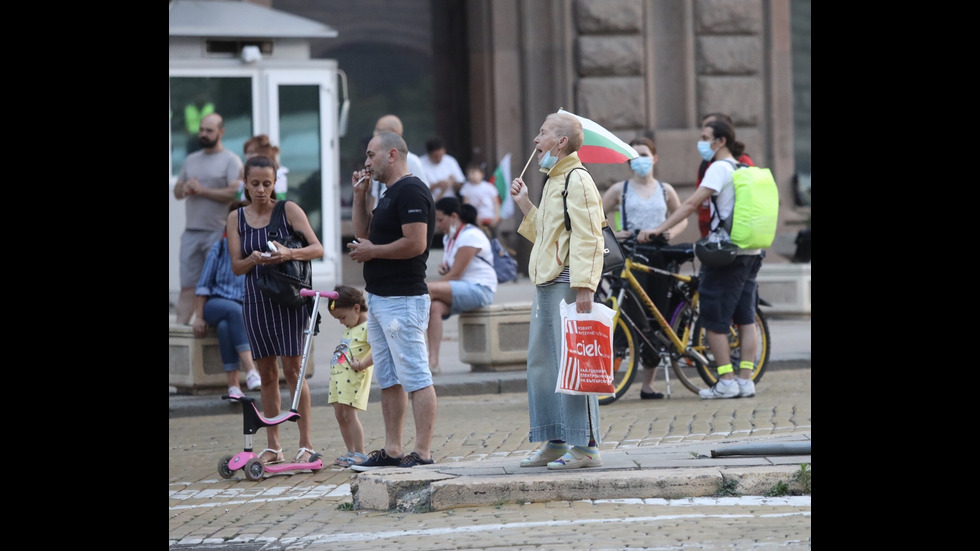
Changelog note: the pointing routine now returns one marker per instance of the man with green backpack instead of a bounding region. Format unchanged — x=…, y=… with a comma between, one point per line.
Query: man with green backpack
x=744, y=205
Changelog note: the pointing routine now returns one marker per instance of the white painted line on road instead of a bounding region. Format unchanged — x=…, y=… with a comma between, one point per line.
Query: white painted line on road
x=510, y=527
x=788, y=501
x=239, y=497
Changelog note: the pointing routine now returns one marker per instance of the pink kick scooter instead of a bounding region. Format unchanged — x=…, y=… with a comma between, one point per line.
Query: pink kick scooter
x=247, y=460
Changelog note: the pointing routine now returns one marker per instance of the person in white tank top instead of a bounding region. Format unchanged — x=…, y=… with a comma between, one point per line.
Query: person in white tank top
x=643, y=203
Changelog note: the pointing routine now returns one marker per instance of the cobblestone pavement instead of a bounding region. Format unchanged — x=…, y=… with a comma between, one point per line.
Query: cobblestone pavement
x=309, y=510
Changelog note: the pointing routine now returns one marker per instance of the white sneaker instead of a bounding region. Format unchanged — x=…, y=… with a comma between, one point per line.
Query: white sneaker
x=575, y=459
x=720, y=390
x=546, y=454
x=746, y=388
x=234, y=391
x=253, y=380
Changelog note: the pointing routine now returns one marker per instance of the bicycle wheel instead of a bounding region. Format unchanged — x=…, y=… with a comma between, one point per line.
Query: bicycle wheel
x=686, y=367
x=625, y=354
x=625, y=344
x=709, y=374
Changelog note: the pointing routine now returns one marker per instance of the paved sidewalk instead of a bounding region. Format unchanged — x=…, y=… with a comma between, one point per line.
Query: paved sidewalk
x=654, y=452
x=790, y=348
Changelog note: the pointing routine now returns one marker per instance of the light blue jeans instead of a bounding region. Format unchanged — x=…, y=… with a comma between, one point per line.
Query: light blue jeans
x=468, y=296
x=396, y=330
x=554, y=416
x=226, y=317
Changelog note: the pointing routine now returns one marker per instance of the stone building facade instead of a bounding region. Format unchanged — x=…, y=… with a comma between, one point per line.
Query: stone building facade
x=634, y=66
x=639, y=65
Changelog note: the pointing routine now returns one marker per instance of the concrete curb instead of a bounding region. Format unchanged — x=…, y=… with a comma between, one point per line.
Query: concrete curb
x=662, y=472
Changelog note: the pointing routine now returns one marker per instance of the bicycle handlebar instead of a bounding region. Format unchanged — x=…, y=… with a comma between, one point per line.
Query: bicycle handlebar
x=680, y=252
x=311, y=292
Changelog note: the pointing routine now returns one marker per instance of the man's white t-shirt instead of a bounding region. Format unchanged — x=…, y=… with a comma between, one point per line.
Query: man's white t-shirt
x=447, y=167
x=720, y=178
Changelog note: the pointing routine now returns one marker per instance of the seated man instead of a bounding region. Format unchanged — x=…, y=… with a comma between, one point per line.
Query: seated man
x=442, y=170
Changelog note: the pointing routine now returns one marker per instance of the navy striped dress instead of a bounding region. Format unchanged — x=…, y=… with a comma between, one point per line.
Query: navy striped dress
x=273, y=330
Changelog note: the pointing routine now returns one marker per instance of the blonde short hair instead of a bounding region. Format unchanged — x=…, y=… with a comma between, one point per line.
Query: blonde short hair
x=570, y=127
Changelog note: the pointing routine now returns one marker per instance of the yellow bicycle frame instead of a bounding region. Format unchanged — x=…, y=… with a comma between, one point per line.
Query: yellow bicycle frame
x=680, y=343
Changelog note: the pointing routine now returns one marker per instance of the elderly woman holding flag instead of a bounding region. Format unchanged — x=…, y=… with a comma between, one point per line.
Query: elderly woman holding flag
x=563, y=265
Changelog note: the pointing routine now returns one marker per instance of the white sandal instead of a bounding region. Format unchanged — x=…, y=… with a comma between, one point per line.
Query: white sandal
x=300, y=454
x=278, y=459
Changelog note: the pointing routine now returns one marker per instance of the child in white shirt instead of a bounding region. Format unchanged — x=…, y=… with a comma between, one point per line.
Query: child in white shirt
x=481, y=194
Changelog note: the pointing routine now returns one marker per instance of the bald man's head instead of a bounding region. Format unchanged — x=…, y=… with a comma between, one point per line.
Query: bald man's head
x=388, y=123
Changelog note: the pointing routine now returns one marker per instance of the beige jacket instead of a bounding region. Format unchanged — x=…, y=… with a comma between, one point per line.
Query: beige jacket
x=554, y=247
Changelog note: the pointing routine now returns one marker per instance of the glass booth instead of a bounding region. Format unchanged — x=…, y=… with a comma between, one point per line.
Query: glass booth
x=297, y=106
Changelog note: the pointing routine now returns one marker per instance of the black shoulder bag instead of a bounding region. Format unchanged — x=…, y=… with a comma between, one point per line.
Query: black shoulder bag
x=613, y=258
x=283, y=282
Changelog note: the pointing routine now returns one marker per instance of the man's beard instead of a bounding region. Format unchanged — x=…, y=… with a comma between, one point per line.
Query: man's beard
x=206, y=143
x=380, y=173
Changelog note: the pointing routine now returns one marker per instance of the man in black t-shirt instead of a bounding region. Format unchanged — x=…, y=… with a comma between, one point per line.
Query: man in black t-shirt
x=392, y=242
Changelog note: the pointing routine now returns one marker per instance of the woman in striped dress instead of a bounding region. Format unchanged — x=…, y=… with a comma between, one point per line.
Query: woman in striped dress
x=273, y=330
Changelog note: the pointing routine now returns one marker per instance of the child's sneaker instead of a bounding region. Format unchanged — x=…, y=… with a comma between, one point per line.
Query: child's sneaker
x=720, y=390
x=746, y=388
x=351, y=459
x=253, y=380
x=234, y=391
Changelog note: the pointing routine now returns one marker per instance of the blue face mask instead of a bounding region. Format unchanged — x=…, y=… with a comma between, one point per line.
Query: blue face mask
x=704, y=148
x=548, y=161
x=642, y=165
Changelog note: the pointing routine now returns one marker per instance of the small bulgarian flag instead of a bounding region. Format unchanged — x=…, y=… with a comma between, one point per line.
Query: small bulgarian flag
x=501, y=178
x=601, y=145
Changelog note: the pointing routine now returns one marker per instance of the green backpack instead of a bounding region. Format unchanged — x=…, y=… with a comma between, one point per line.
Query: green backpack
x=752, y=224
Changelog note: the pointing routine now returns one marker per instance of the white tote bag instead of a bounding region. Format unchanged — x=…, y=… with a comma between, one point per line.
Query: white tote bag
x=586, y=351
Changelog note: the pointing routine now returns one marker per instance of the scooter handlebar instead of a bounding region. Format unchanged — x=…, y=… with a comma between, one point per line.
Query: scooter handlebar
x=312, y=292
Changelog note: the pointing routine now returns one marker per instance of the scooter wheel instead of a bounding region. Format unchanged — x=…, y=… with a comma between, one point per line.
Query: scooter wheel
x=254, y=469
x=223, y=469
x=313, y=458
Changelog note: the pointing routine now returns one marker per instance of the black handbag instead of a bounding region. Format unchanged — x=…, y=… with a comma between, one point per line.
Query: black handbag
x=283, y=282
x=613, y=258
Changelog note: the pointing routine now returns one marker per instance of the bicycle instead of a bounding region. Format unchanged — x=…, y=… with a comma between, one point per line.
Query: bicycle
x=639, y=328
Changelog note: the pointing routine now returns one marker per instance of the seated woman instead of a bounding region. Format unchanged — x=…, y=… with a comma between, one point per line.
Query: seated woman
x=218, y=303
x=468, y=279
